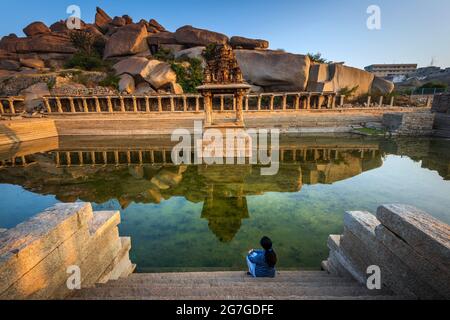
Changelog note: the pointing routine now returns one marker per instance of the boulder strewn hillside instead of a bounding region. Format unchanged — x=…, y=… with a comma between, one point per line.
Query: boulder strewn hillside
x=146, y=58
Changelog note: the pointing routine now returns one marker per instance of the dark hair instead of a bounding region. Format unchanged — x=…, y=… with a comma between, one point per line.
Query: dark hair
x=270, y=255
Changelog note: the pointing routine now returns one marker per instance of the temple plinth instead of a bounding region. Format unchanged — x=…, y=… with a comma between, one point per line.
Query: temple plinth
x=223, y=76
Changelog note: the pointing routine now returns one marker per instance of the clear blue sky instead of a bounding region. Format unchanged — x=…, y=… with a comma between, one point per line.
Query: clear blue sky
x=412, y=31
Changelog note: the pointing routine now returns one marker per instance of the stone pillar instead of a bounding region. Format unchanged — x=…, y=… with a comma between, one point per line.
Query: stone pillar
x=369, y=100
x=85, y=105
x=72, y=105
x=147, y=104
x=47, y=105
x=272, y=100
x=197, y=104
x=160, y=108
x=259, y=102
x=246, y=99
x=284, y=103
x=128, y=158
x=116, y=157
x=308, y=102
x=239, y=106
x=392, y=101
x=2, y=110
x=93, y=158
x=152, y=156
x=320, y=100
x=207, y=97
x=11, y=105
x=333, y=101
x=58, y=159
x=69, y=159
x=172, y=104
x=380, y=102
x=80, y=157
x=329, y=102
x=297, y=102
x=222, y=103
x=105, y=158
x=185, y=104
x=98, y=108
x=59, y=105
x=135, y=106
x=122, y=104
x=110, y=105
x=341, y=100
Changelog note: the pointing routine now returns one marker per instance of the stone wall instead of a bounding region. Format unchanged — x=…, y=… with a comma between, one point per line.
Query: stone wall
x=411, y=248
x=441, y=103
x=442, y=125
x=15, y=131
x=409, y=124
x=35, y=255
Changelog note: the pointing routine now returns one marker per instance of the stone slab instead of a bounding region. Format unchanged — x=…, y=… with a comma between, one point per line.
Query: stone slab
x=394, y=271
x=23, y=247
x=427, y=235
x=41, y=280
x=433, y=274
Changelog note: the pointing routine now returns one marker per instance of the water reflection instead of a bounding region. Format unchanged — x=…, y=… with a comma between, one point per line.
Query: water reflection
x=140, y=171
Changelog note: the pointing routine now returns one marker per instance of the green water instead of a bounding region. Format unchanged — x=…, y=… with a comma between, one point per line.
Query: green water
x=208, y=217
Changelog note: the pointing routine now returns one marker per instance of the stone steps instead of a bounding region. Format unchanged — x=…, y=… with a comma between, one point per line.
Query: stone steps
x=299, y=285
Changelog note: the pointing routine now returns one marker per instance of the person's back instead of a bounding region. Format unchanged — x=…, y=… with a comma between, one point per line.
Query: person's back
x=261, y=263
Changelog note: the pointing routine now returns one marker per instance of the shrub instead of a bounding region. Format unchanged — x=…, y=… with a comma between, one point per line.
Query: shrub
x=90, y=49
x=111, y=81
x=317, y=57
x=87, y=42
x=189, y=73
x=434, y=85
x=165, y=55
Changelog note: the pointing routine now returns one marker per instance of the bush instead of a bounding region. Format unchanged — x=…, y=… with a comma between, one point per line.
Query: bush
x=165, y=55
x=87, y=62
x=87, y=42
x=189, y=73
x=434, y=85
x=317, y=57
x=110, y=81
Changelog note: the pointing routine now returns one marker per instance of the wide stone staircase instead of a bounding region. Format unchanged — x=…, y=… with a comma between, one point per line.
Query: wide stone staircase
x=288, y=285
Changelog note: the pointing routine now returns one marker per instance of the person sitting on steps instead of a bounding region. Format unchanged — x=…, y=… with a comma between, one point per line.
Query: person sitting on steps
x=261, y=263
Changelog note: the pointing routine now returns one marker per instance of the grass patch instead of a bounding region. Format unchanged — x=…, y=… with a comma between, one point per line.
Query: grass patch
x=371, y=131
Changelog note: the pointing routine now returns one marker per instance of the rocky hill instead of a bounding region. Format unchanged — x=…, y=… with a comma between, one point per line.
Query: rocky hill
x=118, y=54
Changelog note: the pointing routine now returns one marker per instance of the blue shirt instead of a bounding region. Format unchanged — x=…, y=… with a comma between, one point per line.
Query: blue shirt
x=262, y=269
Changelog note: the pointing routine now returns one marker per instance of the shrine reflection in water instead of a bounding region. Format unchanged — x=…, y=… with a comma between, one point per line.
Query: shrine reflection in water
x=206, y=217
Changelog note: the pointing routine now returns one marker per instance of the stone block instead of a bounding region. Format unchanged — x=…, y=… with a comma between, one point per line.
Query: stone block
x=436, y=276
x=395, y=273
x=40, y=281
x=428, y=236
x=24, y=246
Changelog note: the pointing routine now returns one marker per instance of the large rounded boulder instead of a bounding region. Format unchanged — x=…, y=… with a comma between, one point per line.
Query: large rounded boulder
x=194, y=37
x=274, y=70
x=158, y=74
x=380, y=85
x=247, y=43
x=128, y=40
x=36, y=28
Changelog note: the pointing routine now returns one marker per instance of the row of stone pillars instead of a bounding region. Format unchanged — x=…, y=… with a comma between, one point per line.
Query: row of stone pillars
x=110, y=104
x=142, y=157
x=81, y=103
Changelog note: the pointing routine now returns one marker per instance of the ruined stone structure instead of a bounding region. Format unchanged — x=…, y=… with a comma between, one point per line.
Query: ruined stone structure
x=38, y=256
x=411, y=248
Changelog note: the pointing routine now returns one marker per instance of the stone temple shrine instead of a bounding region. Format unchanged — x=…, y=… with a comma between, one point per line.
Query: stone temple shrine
x=222, y=75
